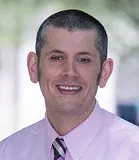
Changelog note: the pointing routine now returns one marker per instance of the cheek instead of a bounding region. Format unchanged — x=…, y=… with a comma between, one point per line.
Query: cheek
x=49, y=75
x=89, y=74
x=45, y=83
x=91, y=80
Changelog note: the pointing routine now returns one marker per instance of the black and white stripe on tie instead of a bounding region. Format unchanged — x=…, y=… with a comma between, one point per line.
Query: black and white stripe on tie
x=59, y=148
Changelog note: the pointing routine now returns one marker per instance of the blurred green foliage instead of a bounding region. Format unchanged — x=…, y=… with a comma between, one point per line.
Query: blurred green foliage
x=15, y=13
x=129, y=7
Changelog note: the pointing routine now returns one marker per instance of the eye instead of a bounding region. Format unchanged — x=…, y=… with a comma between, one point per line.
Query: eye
x=56, y=58
x=84, y=60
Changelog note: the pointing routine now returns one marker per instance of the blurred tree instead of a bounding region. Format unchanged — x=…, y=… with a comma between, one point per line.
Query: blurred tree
x=129, y=7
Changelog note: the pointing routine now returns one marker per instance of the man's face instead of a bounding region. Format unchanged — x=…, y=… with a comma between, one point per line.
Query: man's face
x=69, y=67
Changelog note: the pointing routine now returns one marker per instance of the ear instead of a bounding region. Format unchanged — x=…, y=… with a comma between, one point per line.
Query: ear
x=32, y=64
x=107, y=69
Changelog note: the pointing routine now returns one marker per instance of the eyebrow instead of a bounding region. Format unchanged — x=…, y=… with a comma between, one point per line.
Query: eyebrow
x=54, y=51
x=87, y=54
x=84, y=53
x=79, y=53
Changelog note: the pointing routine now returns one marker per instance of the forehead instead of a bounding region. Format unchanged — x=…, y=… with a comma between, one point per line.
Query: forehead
x=54, y=31
x=74, y=38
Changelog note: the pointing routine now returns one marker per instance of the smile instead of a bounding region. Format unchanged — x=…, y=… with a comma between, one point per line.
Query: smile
x=69, y=90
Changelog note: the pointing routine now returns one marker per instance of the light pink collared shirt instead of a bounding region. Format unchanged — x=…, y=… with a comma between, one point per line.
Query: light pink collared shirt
x=103, y=136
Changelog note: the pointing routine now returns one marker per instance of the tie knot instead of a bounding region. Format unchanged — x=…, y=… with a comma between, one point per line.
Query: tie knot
x=59, y=148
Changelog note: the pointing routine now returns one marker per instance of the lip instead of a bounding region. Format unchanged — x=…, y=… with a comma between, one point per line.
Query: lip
x=75, y=89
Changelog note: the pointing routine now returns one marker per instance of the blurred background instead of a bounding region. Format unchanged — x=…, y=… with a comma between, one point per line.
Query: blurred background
x=21, y=102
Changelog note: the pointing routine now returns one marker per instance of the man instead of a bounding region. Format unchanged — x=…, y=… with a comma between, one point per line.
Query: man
x=70, y=63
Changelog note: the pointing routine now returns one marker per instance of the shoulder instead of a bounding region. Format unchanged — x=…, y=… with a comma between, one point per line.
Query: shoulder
x=121, y=132
x=21, y=140
x=115, y=123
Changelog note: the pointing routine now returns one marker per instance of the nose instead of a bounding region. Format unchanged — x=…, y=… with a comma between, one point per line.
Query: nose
x=69, y=69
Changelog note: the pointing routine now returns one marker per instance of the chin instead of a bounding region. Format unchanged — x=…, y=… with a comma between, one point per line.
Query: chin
x=69, y=109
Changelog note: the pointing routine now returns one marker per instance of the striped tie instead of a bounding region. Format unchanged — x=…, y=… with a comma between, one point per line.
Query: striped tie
x=59, y=148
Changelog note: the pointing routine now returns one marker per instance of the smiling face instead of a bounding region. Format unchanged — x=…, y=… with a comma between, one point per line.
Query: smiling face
x=69, y=68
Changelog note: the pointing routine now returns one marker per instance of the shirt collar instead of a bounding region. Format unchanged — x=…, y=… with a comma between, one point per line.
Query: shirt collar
x=79, y=138
x=51, y=135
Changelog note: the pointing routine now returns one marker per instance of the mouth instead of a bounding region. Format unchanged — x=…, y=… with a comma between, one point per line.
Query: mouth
x=69, y=89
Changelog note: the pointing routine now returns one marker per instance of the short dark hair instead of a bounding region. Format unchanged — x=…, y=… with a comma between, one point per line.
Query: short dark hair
x=74, y=20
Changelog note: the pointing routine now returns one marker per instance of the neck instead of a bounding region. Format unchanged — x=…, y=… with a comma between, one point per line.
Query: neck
x=63, y=124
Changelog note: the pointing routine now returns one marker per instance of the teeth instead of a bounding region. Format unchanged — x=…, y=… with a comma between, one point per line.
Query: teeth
x=69, y=88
